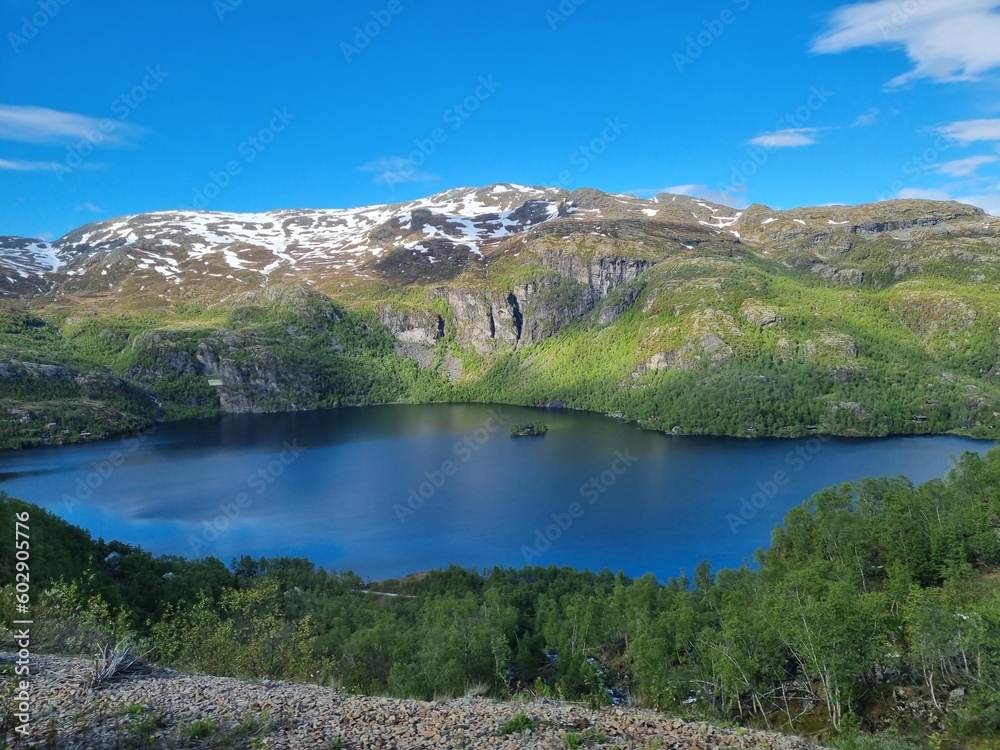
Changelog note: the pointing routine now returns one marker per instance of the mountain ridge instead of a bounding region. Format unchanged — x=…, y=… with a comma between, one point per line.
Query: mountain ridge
x=327, y=240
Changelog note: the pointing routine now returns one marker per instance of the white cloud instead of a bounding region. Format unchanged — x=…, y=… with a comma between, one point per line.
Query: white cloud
x=946, y=40
x=989, y=200
x=16, y=165
x=88, y=206
x=789, y=138
x=41, y=125
x=971, y=131
x=390, y=170
x=868, y=118
x=964, y=167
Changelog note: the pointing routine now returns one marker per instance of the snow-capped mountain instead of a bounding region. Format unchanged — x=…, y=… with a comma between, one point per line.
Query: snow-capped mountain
x=459, y=227
x=175, y=244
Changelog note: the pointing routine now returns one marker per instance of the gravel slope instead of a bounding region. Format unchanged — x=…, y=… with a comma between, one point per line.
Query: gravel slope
x=309, y=716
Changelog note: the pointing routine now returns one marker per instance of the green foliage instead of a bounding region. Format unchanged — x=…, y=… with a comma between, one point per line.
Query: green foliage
x=243, y=635
x=68, y=620
x=869, y=362
x=198, y=730
x=139, y=727
x=48, y=377
x=529, y=429
x=319, y=355
x=518, y=723
x=588, y=737
x=853, y=739
x=57, y=549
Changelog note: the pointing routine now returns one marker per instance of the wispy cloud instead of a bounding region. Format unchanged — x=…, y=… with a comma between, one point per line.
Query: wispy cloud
x=41, y=125
x=15, y=165
x=391, y=170
x=88, y=206
x=868, y=118
x=964, y=167
x=971, y=131
x=946, y=40
x=789, y=138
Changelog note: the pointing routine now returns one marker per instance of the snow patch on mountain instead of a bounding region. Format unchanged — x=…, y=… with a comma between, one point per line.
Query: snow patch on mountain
x=173, y=243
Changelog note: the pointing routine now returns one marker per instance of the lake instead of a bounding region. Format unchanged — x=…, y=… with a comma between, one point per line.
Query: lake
x=389, y=490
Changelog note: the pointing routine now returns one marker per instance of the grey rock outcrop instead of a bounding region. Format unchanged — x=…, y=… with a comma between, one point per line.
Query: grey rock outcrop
x=535, y=310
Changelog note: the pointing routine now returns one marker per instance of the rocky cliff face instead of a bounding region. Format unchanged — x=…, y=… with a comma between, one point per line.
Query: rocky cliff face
x=531, y=312
x=246, y=376
x=413, y=327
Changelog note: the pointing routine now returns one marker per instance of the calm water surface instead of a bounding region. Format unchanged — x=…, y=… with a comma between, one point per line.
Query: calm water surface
x=343, y=488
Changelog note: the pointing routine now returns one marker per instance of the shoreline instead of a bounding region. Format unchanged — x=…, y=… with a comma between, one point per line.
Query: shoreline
x=616, y=416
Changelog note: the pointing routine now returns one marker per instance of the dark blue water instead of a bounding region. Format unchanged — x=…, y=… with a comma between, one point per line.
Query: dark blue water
x=344, y=487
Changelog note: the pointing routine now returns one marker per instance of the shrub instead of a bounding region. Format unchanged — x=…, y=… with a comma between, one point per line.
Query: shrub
x=518, y=723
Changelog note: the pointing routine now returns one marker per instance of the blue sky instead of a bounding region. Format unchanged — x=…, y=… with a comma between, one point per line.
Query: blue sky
x=115, y=108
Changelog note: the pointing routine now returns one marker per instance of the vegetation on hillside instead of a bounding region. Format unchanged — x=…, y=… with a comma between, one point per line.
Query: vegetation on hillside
x=876, y=607
x=103, y=376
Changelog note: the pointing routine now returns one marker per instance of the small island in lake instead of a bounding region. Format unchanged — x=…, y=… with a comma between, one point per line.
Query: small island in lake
x=528, y=430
